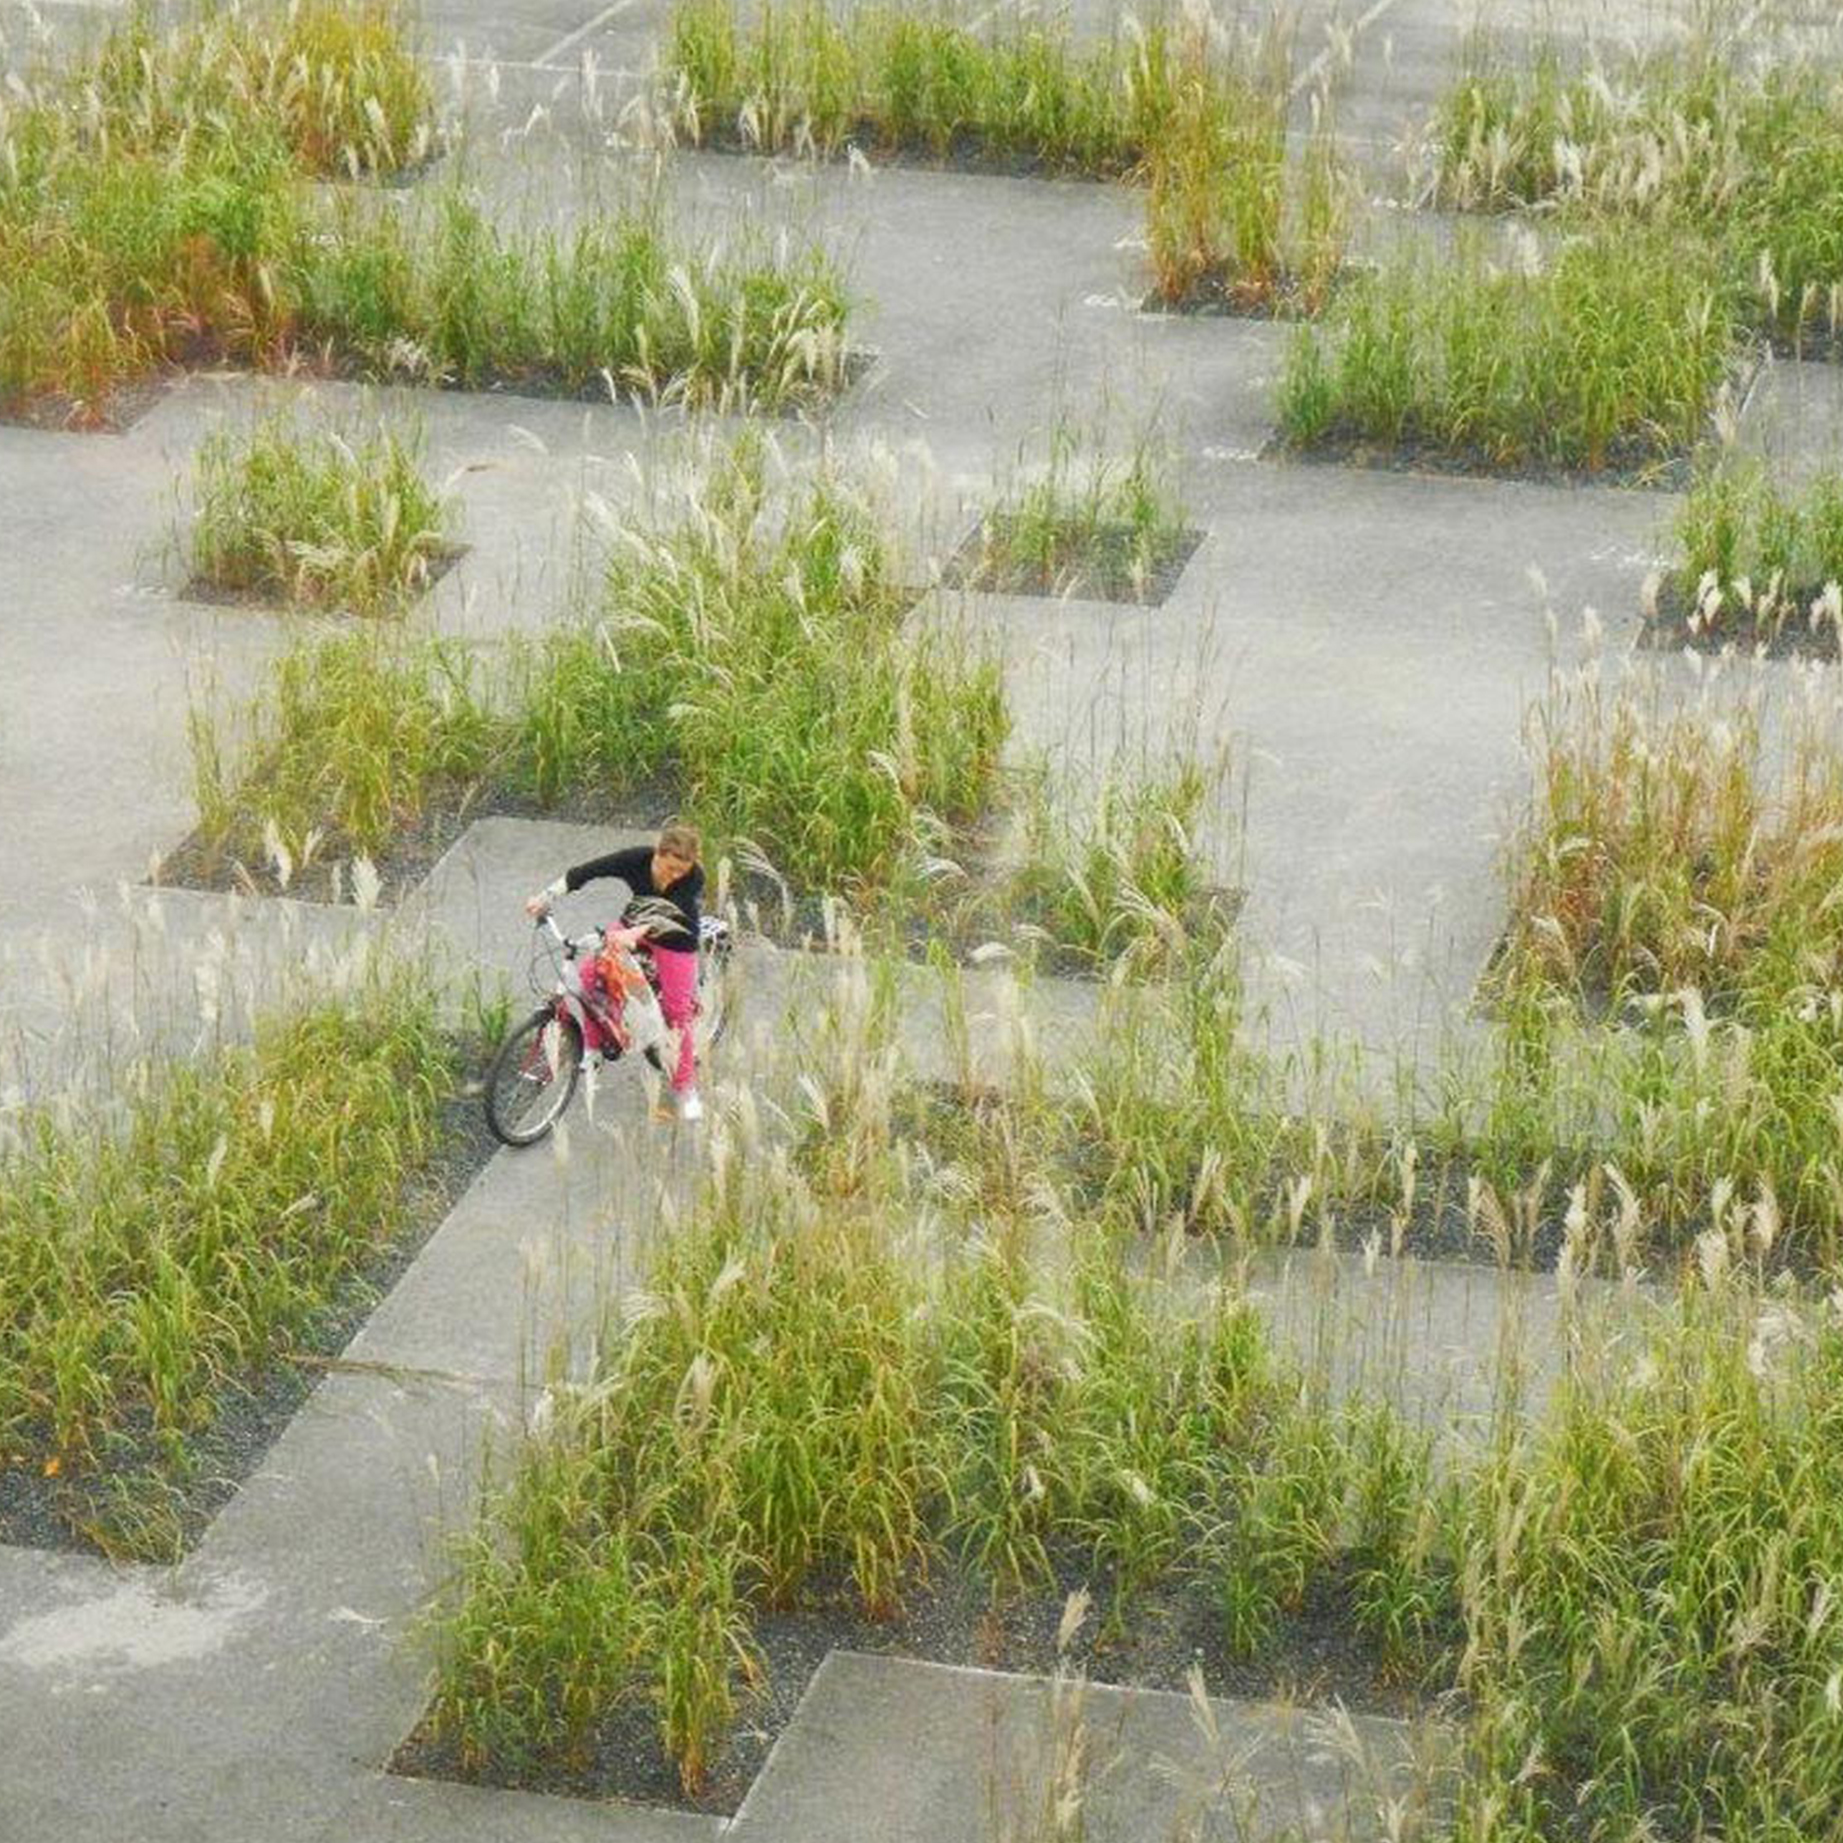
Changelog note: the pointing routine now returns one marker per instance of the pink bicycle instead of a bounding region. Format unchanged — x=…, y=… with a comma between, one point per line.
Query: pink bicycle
x=588, y=1012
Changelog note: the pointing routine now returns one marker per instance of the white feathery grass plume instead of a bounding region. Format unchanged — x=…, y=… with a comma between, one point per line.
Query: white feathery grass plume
x=367, y=884
x=1696, y=1027
x=1712, y=1257
x=275, y=849
x=696, y=1395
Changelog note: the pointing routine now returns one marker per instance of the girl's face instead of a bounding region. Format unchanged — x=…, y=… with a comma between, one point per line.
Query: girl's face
x=667, y=869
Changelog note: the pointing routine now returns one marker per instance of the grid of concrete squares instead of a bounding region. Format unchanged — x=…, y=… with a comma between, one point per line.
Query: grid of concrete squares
x=1369, y=642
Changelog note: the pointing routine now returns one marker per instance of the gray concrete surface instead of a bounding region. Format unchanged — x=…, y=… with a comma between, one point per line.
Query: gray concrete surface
x=1794, y=417
x=1454, y=1347
x=922, y=1753
x=1364, y=645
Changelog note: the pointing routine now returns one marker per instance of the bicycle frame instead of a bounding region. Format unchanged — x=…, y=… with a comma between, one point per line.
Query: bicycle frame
x=575, y=1028
x=637, y=1023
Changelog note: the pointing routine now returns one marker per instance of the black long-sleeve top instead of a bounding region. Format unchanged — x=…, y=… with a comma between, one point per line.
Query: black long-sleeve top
x=670, y=915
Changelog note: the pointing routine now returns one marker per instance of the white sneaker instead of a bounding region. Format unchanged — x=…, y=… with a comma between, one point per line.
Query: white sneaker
x=689, y=1106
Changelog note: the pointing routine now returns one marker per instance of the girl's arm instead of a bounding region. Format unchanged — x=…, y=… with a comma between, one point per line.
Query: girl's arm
x=618, y=864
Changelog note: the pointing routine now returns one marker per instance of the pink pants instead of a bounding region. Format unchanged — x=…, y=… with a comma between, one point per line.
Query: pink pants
x=678, y=999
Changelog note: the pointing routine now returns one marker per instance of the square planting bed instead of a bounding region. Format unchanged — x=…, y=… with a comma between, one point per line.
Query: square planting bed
x=131, y=1502
x=115, y=413
x=202, y=589
x=1671, y=625
x=1092, y=564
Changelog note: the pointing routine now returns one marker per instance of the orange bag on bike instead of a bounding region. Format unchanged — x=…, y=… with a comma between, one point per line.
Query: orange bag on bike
x=620, y=974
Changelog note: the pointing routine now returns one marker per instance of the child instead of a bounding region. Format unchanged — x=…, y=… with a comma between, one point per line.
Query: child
x=665, y=883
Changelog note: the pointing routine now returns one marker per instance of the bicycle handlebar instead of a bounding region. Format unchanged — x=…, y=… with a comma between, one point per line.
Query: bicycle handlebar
x=571, y=944
x=596, y=937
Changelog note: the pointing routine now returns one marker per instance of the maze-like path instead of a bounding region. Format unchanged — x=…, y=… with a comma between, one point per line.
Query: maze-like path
x=259, y=1688
x=1366, y=644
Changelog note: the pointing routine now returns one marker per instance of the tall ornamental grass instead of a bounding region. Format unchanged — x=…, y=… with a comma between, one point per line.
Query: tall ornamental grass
x=314, y=518
x=932, y=81
x=1233, y=219
x=340, y=86
x=622, y=305
x=757, y=651
x=1659, y=133
x=1668, y=849
x=1608, y=352
x=1646, y=1582
x=1195, y=105
x=752, y=648
x=810, y=1397
x=1088, y=522
x=1710, y=134
x=1121, y=885
x=155, y=210
x=150, y=1264
x=148, y=195
x=870, y=1360
x=354, y=738
x=1757, y=552
x=1677, y=874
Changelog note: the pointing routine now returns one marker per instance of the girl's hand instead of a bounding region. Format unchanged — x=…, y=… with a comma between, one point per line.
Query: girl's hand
x=627, y=938
x=538, y=906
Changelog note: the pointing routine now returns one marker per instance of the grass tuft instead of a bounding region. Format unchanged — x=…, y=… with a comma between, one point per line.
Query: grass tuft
x=1610, y=354
x=1758, y=558
x=151, y=1264
x=354, y=738
x=315, y=518
x=1108, y=526
x=1127, y=889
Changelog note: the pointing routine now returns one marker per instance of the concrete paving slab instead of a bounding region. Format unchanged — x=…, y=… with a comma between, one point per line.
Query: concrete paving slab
x=543, y=1240
x=98, y=665
x=1793, y=417
x=474, y=898
x=925, y=1753
x=34, y=1582
x=395, y=1810
x=230, y=1698
x=543, y=32
x=1321, y=652
x=158, y=971
x=246, y=1690
x=1452, y=1344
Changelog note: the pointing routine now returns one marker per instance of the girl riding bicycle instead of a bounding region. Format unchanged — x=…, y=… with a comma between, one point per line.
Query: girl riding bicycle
x=665, y=883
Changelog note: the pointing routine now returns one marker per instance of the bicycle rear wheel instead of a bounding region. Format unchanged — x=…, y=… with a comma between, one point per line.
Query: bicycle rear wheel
x=532, y=1077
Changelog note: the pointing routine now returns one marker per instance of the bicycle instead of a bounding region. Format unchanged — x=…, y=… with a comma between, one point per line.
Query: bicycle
x=534, y=1071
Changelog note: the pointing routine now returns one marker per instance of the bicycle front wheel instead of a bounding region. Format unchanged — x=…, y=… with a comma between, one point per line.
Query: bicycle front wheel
x=532, y=1077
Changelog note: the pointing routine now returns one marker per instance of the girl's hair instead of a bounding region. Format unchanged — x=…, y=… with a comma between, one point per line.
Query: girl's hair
x=681, y=841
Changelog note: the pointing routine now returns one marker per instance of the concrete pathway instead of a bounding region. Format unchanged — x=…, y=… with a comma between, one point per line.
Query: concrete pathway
x=924, y=1753
x=260, y=1687
x=1364, y=643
